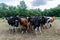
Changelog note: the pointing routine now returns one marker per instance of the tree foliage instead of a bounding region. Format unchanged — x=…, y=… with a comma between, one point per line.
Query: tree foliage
x=21, y=10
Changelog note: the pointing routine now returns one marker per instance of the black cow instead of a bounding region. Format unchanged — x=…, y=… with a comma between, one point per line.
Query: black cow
x=45, y=20
x=13, y=21
x=34, y=21
x=37, y=21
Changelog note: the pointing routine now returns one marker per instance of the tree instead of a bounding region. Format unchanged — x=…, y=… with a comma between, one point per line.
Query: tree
x=23, y=5
x=22, y=8
x=3, y=9
x=12, y=11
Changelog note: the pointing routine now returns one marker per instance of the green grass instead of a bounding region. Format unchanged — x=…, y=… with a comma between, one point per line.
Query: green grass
x=57, y=17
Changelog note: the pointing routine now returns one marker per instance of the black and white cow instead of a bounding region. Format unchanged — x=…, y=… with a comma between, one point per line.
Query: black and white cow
x=13, y=22
x=39, y=21
x=34, y=22
x=47, y=20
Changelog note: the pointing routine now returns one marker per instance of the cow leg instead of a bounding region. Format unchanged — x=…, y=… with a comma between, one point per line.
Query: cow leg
x=15, y=29
x=44, y=26
x=38, y=28
x=31, y=27
x=24, y=29
x=47, y=25
x=34, y=27
x=50, y=25
x=41, y=28
x=11, y=29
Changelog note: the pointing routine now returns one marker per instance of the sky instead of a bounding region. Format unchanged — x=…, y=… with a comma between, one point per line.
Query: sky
x=33, y=4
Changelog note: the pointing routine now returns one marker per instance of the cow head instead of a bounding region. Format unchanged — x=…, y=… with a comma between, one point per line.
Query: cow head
x=16, y=22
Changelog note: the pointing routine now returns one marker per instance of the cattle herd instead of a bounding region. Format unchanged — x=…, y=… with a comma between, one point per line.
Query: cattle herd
x=29, y=24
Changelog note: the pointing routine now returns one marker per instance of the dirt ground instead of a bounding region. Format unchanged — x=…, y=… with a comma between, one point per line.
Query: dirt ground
x=48, y=34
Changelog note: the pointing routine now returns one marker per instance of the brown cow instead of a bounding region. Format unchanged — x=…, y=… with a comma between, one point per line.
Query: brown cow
x=25, y=23
x=51, y=19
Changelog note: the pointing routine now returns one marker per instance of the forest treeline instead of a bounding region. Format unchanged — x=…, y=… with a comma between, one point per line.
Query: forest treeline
x=22, y=10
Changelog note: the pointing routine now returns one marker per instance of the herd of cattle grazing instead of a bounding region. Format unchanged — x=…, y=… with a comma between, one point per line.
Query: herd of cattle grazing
x=29, y=24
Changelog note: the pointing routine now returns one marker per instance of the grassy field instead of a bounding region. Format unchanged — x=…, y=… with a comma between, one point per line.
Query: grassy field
x=48, y=34
x=57, y=17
